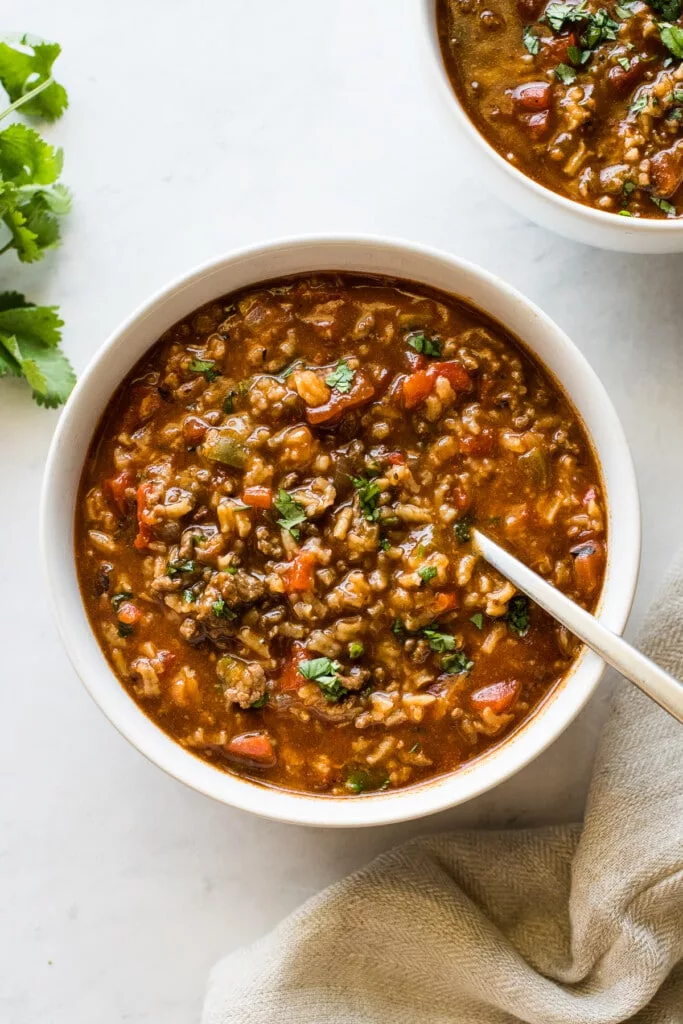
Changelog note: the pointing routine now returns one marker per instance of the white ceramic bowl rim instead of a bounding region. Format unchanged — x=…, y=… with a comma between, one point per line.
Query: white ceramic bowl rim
x=258, y=263
x=642, y=225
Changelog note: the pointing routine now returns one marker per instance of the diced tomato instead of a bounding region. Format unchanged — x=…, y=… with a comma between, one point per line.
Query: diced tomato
x=455, y=373
x=555, y=50
x=444, y=602
x=128, y=613
x=258, y=497
x=362, y=391
x=291, y=678
x=396, y=459
x=252, y=746
x=589, y=559
x=117, y=486
x=462, y=499
x=416, y=387
x=145, y=521
x=623, y=80
x=194, y=430
x=300, y=575
x=497, y=696
x=478, y=444
x=532, y=96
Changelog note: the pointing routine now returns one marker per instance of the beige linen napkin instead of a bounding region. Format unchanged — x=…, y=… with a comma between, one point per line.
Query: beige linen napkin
x=559, y=925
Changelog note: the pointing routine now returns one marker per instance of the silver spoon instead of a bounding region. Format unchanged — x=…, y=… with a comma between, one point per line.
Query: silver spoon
x=650, y=678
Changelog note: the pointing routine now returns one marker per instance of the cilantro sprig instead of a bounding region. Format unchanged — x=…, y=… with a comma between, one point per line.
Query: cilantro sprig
x=29, y=348
x=425, y=345
x=206, y=367
x=31, y=202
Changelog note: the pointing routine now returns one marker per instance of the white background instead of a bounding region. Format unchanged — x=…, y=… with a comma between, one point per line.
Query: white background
x=195, y=128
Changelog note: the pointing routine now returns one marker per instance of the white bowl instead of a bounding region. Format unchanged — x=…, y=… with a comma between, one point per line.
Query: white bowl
x=376, y=256
x=549, y=209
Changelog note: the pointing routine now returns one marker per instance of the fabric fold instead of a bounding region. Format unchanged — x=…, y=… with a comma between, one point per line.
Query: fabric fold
x=558, y=925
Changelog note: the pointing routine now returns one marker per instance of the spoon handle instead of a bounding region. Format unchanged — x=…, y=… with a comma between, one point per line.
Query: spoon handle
x=650, y=678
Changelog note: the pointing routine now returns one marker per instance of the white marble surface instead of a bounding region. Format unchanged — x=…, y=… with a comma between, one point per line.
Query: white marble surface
x=195, y=128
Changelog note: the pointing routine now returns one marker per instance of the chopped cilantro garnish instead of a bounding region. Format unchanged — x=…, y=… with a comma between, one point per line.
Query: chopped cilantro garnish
x=124, y=629
x=625, y=63
x=341, y=377
x=439, y=642
x=221, y=610
x=517, y=615
x=672, y=37
x=639, y=103
x=531, y=40
x=291, y=511
x=368, y=496
x=478, y=620
x=179, y=566
x=356, y=650
x=668, y=208
x=670, y=10
x=624, y=10
x=463, y=530
x=365, y=780
x=565, y=74
x=206, y=367
x=118, y=599
x=189, y=596
x=260, y=702
x=427, y=573
x=398, y=628
x=384, y=544
x=557, y=15
x=229, y=402
x=324, y=672
x=425, y=345
x=457, y=663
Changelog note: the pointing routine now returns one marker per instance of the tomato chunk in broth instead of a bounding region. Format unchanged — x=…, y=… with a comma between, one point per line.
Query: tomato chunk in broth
x=273, y=532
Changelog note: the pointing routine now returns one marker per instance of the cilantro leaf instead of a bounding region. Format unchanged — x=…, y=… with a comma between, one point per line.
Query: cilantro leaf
x=672, y=37
x=517, y=615
x=565, y=74
x=291, y=511
x=206, y=367
x=457, y=663
x=260, y=702
x=478, y=620
x=221, y=610
x=26, y=66
x=625, y=10
x=439, y=642
x=324, y=672
x=356, y=650
x=425, y=345
x=668, y=208
x=341, y=377
x=670, y=10
x=557, y=15
x=368, y=496
x=639, y=103
x=31, y=199
x=531, y=40
x=179, y=567
x=427, y=573
x=118, y=599
x=29, y=348
x=366, y=780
